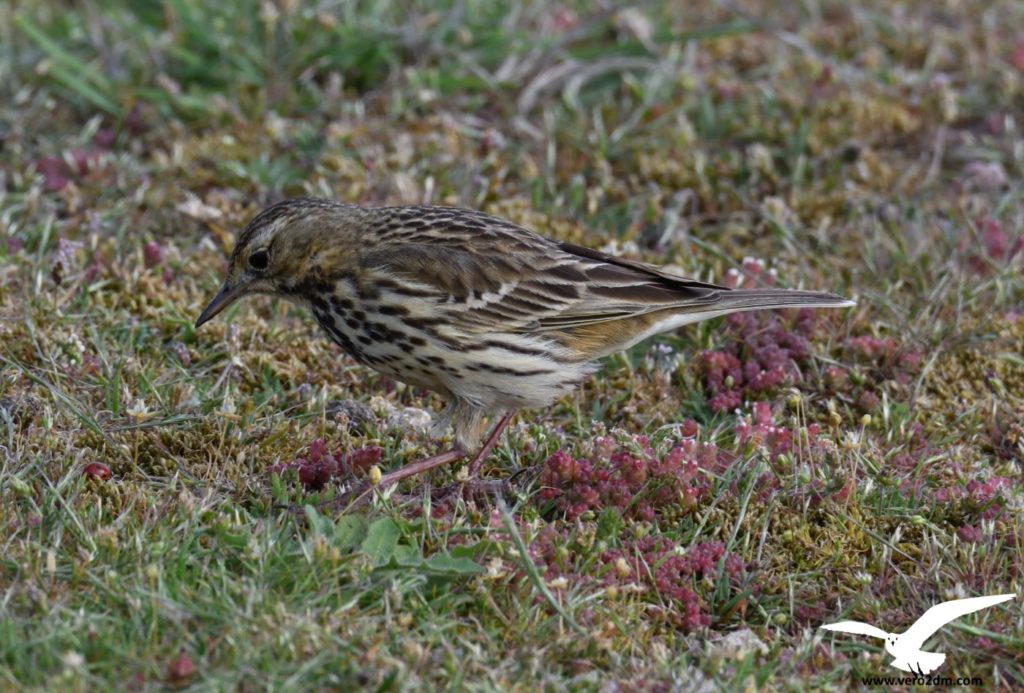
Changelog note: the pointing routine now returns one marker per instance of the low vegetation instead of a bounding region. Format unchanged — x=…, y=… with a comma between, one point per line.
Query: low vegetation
x=176, y=505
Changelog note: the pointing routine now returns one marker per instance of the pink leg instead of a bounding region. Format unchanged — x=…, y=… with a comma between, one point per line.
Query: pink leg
x=421, y=466
x=450, y=456
x=492, y=440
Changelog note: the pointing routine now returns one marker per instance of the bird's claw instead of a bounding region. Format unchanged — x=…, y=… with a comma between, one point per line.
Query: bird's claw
x=473, y=489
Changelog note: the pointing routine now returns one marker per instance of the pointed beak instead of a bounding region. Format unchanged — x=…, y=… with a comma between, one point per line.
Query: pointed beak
x=224, y=298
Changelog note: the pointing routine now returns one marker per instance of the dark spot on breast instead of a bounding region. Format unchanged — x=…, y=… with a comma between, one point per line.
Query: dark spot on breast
x=423, y=323
x=502, y=370
x=311, y=287
x=342, y=340
x=514, y=348
x=383, y=333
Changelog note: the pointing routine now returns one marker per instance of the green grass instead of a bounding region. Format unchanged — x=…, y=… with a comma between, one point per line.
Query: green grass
x=860, y=149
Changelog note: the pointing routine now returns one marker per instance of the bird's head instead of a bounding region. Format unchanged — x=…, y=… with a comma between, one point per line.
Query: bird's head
x=285, y=247
x=892, y=641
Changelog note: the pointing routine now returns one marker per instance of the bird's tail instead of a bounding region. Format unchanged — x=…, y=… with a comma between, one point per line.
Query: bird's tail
x=714, y=304
x=760, y=299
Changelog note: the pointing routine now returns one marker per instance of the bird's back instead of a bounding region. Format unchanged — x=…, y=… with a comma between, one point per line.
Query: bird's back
x=487, y=310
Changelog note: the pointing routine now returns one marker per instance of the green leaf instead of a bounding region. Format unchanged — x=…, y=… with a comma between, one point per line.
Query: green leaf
x=472, y=551
x=277, y=490
x=381, y=540
x=450, y=565
x=406, y=555
x=318, y=523
x=350, y=531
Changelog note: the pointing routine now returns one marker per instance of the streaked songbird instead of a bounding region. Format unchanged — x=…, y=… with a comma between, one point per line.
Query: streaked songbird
x=491, y=315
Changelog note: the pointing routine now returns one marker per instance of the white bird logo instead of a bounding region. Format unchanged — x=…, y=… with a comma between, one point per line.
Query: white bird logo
x=906, y=646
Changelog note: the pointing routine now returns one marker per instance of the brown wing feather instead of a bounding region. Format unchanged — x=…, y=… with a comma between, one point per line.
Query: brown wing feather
x=637, y=268
x=539, y=286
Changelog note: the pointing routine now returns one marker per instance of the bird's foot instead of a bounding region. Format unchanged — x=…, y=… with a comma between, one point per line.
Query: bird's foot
x=361, y=491
x=472, y=489
x=420, y=466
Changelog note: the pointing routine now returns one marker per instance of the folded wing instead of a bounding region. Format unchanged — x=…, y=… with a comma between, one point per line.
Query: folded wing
x=488, y=275
x=538, y=290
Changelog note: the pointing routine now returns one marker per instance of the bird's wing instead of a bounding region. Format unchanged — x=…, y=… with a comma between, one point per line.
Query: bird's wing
x=484, y=272
x=941, y=614
x=856, y=628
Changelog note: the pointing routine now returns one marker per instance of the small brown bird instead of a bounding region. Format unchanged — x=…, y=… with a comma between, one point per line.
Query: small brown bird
x=485, y=312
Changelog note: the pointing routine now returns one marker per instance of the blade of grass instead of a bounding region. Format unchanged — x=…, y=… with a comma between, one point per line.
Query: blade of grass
x=531, y=569
x=80, y=413
x=81, y=78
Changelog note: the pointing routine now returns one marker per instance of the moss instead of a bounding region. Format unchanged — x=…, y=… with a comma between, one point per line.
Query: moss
x=878, y=466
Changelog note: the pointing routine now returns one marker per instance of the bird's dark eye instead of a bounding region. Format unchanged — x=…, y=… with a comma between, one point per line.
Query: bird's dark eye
x=259, y=259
